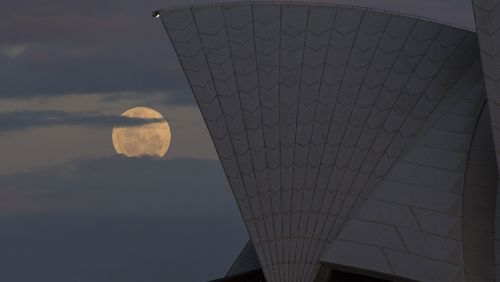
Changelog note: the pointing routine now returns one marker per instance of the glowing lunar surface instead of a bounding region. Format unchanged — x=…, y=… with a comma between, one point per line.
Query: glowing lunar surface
x=149, y=139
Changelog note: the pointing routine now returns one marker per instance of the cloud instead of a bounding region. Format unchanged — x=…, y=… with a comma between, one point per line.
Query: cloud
x=13, y=51
x=147, y=185
x=82, y=47
x=119, y=219
x=53, y=70
x=167, y=98
x=21, y=120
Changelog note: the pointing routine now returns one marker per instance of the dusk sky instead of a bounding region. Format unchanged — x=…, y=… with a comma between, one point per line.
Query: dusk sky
x=71, y=209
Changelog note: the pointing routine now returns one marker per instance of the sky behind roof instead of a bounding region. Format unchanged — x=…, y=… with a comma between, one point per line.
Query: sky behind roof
x=70, y=209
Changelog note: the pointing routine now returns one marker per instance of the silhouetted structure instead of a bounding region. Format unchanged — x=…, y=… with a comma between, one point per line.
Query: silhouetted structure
x=355, y=139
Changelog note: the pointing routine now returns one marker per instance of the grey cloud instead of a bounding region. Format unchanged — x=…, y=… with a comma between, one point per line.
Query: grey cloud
x=21, y=120
x=55, y=70
x=119, y=219
x=143, y=185
x=177, y=98
x=181, y=99
x=79, y=47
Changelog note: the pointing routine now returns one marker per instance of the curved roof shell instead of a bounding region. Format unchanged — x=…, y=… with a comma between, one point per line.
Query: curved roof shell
x=457, y=13
x=311, y=107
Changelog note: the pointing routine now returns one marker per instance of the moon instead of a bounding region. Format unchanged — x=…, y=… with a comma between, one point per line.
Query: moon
x=149, y=139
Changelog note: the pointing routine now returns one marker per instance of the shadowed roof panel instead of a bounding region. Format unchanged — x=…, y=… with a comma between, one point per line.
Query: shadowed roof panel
x=246, y=261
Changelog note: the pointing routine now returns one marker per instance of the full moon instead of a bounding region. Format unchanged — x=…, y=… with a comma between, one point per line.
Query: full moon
x=149, y=139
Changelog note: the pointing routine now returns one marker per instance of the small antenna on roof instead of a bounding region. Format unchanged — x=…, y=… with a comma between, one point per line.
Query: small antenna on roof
x=156, y=14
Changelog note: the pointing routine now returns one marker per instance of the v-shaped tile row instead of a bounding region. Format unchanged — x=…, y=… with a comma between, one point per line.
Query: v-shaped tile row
x=309, y=107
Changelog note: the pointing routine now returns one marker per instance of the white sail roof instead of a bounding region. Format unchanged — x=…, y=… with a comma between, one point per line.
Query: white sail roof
x=457, y=13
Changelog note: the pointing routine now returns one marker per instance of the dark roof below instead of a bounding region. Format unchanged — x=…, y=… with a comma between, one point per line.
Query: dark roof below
x=246, y=261
x=253, y=276
x=334, y=276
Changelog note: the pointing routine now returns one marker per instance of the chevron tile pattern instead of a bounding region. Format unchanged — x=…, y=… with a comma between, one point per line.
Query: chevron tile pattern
x=487, y=14
x=309, y=107
x=430, y=212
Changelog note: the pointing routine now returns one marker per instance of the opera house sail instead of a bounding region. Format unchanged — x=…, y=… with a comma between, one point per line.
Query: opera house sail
x=353, y=137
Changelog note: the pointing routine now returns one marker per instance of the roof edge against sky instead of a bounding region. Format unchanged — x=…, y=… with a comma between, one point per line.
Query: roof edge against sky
x=449, y=14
